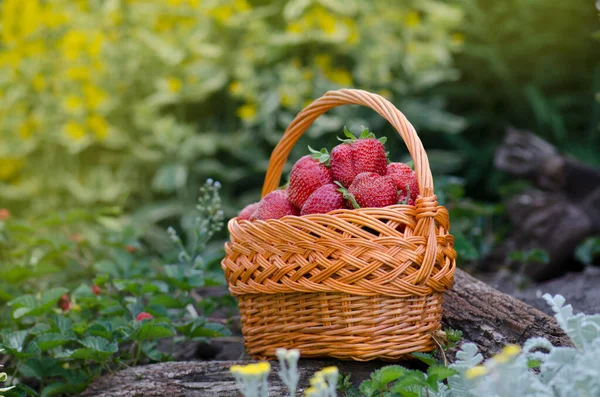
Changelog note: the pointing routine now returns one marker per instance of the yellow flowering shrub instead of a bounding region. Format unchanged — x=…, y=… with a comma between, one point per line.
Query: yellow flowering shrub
x=132, y=101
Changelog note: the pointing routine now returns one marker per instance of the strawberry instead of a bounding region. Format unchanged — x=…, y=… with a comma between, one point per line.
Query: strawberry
x=64, y=303
x=96, y=290
x=249, y=212
x=342, y=164
x=369, y=156
x=357, y=155
x=325, y=199
x=370, y=189
x=307, y=175
x=275, y=205
x=143, y=316
x=404, y=179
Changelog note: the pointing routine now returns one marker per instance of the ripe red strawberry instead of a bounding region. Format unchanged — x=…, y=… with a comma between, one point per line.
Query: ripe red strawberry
x=143, y=316
x=370, y=189
x=249, y=212
x=404, y=179
x=275, y=205
x=307, y=175
x=342, y=164
x=96, y=290
x=325, y=199
x=357, y=155
x=369, y=156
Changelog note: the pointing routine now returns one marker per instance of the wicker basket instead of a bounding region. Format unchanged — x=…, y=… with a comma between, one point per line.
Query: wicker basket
x=347, y=284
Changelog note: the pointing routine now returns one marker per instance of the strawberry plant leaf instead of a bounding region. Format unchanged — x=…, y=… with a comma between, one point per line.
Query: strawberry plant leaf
x=51, y=340
x=425, y=358
x=150, y=330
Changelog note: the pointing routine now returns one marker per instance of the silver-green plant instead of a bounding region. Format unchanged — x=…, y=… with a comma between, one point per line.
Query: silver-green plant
x=288, y=372
x=560, y=371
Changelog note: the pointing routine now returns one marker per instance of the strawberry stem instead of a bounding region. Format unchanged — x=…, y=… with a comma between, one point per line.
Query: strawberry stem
x=321, y=155
x=347, y=195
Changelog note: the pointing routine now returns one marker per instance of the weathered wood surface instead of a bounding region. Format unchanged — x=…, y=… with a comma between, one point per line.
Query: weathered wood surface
x=487, y=317
x=206, y=378
x=557, y=217
x=492, y=319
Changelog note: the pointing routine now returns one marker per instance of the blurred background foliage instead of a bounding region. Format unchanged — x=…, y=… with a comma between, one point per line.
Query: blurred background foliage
x=134, y=103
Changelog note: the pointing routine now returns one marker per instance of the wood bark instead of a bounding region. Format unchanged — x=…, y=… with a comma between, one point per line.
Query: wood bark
x=487, y=317
x=557, y=217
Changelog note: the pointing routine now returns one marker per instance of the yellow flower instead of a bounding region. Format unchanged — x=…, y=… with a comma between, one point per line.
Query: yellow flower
x=412, y=19
x=247, y=112
x=353, y=37
x=98, y=125
x=341, y=77
x=74, y=130
x=9, y=167
x=457, y=38
x=294, y=27
x=38, y=82
x=78, y=73
x=476, y=372
x=235, y=87
x=241, y=5
x=252, y=370
x=73, y=103
x=288, y=100
x=94, y=96
x=332, y=370
x=222, y=13
x=174, y=85
x=326, y=21
x=508, y=352
x=73, y=44
x=95, y=46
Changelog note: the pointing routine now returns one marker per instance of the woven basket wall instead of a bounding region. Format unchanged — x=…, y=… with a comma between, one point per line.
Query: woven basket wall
x=357, y=284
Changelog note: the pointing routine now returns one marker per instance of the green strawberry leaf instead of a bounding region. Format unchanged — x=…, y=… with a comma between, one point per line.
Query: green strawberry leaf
x=152, y=329
x=51, y=340
x=321, y=155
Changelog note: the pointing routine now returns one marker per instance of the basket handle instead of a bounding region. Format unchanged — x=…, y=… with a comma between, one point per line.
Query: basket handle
x=426, y=203
x=331, y=99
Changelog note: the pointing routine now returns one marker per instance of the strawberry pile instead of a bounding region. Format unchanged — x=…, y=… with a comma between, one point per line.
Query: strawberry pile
x=356, y=174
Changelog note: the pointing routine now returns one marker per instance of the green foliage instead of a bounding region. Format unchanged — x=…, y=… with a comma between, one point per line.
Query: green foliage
x=522, y=66
x=72, y=327
x=140, y=100
x=530, y=256
x=588, y=251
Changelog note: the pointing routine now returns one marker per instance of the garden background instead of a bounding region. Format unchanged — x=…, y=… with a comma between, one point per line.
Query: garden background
x=114, y=113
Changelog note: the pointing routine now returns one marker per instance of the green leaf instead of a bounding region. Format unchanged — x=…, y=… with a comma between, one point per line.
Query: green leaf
x=153, y=329
x=464, y=248
x=14, y=341
x=424, y=357
x=588, y=250
x=438, y=373
x=169, y=178
x=167, y=301
x=51, y=340
x=63, y=324
x=58, y=389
